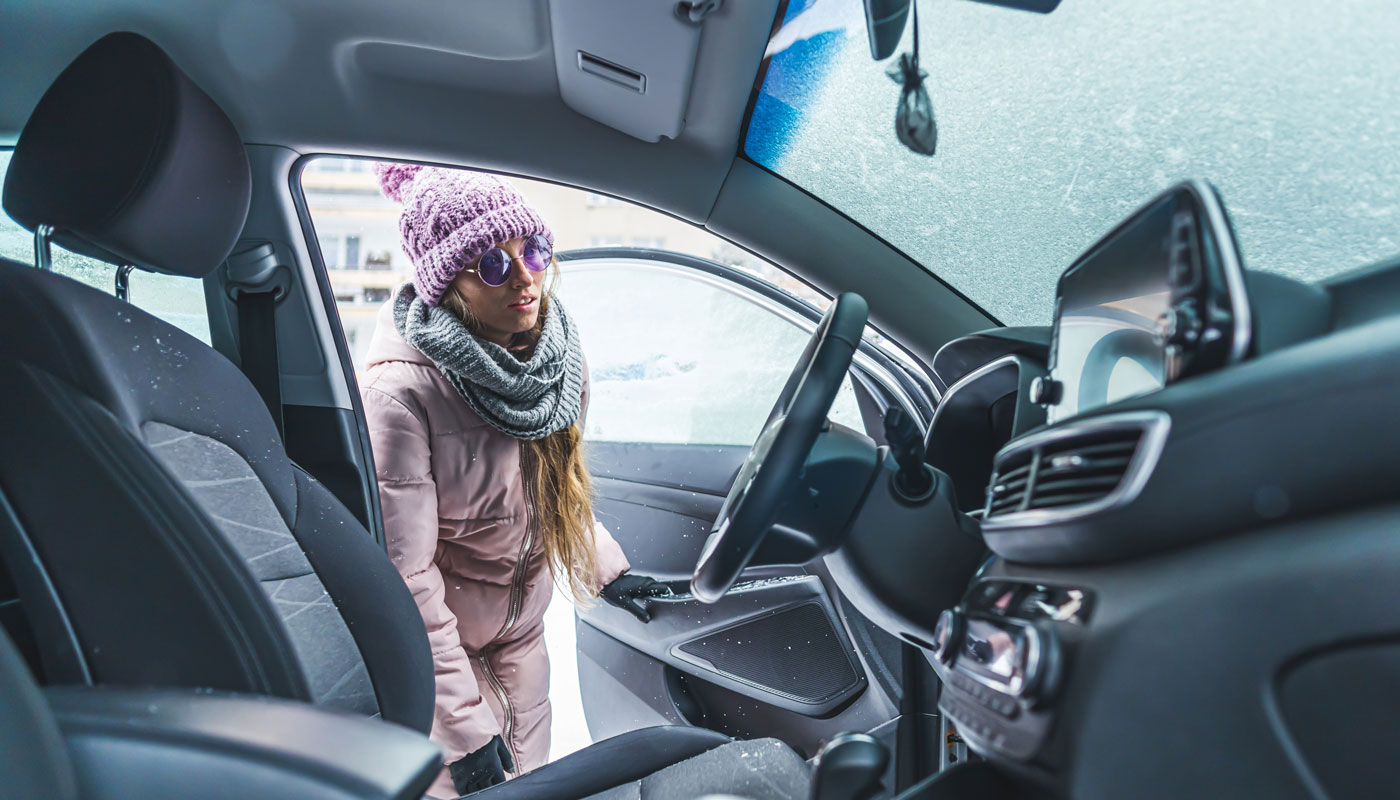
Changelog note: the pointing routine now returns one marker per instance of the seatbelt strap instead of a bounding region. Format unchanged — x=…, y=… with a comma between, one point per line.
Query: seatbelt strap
x=257, y=348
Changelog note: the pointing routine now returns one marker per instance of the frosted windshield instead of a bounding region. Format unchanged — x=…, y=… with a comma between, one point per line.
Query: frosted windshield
x=1054, y=128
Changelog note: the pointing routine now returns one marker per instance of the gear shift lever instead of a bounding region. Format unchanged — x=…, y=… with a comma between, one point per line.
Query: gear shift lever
x=849, y=767
x=914, y=481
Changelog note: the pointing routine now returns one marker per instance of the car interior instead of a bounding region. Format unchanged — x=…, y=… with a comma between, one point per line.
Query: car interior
x=1112, y=523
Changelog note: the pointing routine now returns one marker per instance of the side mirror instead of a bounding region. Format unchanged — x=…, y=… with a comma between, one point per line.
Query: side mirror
x=884, y=22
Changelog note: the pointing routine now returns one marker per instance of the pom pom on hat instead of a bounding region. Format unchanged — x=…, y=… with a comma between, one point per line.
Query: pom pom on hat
x=394, y=176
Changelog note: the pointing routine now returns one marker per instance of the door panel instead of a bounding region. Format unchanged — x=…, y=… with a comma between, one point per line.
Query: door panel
x=777, y=640
x=658, y=541
x=700, y=468
x=658, y=500
x=642, y=691
x=676, y=399
x=700, y=505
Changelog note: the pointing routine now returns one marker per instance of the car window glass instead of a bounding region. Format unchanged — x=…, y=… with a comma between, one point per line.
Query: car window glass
x=701, y=356
x=175, y=299
x=357, y=228
x=678, y=357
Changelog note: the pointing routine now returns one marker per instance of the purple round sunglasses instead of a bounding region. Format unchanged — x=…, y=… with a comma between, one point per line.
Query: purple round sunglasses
x=494, y=265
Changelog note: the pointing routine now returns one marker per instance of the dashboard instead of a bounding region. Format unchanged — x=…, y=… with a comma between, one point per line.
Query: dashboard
x=1186, y=590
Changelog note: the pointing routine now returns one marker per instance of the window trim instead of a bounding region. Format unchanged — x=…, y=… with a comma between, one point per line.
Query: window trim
x=312, y=242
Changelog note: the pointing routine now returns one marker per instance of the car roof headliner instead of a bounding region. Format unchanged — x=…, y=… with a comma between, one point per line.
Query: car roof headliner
x=469, y=82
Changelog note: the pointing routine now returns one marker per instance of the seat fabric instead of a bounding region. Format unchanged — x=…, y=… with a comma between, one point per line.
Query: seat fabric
x=228, y=490
x=196, y=489
x=619, y=761
x=758, y=768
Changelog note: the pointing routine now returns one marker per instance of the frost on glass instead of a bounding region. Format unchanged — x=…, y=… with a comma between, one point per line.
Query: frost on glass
x=1054, y=128
x=681, y=360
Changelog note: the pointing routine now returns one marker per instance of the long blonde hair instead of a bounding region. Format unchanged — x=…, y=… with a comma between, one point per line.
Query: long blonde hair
x=555, y=473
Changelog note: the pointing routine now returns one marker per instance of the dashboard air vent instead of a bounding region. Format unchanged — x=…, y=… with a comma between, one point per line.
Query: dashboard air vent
x=1083, y=469
x=1065, y=469
x=1008, y=489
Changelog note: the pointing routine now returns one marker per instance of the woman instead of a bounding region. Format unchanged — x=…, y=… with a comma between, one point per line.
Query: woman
x=474, y=396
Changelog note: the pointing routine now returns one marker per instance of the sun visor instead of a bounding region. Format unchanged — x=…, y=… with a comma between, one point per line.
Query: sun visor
x=628, y=63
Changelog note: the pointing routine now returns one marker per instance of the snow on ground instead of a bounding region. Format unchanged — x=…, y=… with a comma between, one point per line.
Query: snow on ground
x=568, y=731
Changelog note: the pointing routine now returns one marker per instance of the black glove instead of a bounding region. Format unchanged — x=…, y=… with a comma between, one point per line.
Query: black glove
x=482, y=769
x=626, y=593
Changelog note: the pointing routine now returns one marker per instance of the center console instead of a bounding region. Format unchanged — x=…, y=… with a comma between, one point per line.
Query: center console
x=1172, y=419
x=1160, y=299
x=1193, y=460
x=1000, y=655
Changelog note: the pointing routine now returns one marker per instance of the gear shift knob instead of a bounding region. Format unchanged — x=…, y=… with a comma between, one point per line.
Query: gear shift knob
x=914, y=480
x=849, y=767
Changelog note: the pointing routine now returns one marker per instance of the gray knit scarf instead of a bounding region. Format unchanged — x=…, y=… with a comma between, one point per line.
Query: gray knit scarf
x=526, y=399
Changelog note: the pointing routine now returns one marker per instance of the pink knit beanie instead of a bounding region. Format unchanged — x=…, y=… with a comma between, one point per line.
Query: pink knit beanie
x=452, y=216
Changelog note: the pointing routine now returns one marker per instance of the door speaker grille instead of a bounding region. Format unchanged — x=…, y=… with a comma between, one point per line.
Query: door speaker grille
x=795, y=653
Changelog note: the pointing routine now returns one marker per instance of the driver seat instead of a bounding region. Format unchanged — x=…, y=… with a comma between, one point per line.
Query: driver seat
x=152, y=522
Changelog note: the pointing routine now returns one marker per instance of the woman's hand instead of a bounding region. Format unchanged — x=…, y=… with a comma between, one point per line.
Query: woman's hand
x=628, y=591
x=482, y=769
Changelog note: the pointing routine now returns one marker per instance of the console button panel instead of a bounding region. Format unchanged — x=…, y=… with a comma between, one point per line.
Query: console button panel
x=999, y=655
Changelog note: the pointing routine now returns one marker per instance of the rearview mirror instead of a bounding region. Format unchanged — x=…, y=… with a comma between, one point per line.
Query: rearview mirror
x=884, y=22
x=1038, y=6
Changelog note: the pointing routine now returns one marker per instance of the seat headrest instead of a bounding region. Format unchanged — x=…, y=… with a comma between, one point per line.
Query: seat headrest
x=131, y=163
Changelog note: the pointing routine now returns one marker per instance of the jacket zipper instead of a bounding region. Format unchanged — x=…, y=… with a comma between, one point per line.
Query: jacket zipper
x=517, y=589
x=507, y=727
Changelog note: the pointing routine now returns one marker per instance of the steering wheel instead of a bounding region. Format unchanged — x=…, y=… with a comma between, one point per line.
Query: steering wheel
x=773, y=468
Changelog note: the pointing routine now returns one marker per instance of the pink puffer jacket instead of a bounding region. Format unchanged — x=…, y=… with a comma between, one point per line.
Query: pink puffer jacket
x=458, y=522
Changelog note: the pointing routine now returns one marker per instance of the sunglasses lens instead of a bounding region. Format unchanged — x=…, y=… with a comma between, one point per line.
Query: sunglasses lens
x=537, y=253
x=494, y=267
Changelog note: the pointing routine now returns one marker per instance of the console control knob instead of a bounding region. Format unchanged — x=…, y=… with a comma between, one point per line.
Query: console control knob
x=1180, y=325
x=946, y=631
x=1041, y=668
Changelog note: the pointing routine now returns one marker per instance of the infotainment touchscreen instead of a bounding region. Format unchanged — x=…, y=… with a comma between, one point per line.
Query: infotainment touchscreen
x=1157, y=299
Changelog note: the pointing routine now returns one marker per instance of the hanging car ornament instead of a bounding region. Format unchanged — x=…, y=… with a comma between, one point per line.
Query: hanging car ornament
x=914, y=122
